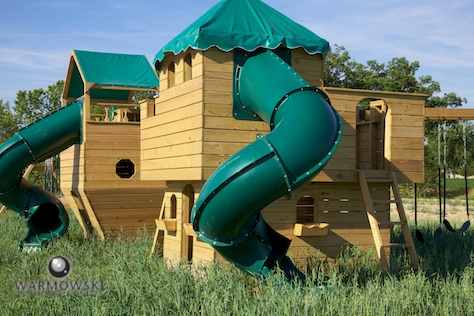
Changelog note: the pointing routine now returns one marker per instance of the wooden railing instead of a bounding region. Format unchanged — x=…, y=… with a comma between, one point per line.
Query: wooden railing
x=117, y=113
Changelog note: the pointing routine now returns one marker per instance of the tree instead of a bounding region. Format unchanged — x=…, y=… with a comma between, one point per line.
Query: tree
x=341, y=71
x=143, y=95
x=33, y=105
x=398, y=75
x=8, y=123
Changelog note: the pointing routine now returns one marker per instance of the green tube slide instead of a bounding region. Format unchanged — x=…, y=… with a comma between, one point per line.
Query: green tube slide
x=46, y=216
x=305, y=132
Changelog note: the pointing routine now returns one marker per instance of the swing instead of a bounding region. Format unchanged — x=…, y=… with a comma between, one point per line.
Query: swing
x=419, y=235
x=437, y=234
x=446, y=223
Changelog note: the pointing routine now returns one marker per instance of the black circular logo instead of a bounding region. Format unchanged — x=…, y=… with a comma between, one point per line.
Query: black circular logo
x=59, y=267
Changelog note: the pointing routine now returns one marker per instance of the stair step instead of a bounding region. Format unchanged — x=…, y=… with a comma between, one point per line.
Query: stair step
x=379, y=180
x=395, y=245
x=385, y=201
x=391, y=224
x=406, y=268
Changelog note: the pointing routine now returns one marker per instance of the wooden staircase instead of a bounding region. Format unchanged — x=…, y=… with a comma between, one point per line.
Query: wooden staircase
x=367, y=177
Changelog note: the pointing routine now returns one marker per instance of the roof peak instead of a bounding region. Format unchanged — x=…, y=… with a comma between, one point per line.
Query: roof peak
x=244, y=24
x=109, y=76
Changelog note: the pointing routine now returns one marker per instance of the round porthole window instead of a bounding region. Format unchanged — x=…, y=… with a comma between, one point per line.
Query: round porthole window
x=125, y=168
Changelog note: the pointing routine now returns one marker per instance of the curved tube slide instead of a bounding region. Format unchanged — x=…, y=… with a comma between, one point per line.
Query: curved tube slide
x=305, y=132
x=46, y=216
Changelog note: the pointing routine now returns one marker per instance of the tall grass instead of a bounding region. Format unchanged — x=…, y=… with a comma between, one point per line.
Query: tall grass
x=135, y=284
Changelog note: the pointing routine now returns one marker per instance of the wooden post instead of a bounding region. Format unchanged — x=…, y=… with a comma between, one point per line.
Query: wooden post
x=25, y=175
x=147, y=108
x=86, y=111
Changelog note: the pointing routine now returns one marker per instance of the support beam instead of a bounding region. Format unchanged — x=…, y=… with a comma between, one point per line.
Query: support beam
x=450, y=114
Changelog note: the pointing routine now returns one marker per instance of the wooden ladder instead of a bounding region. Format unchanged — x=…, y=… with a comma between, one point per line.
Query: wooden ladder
x=365, y=178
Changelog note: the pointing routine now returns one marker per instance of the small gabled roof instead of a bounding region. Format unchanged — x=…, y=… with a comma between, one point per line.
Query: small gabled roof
x=245, y=24
x=108, y=76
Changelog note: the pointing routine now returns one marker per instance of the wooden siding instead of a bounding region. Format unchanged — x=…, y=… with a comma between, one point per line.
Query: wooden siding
x=405, y=140
x=119, y=204
x=98, y=196
x=342, y=166
x=194, y=131
x=449, y=114
x=310, y=67
x=171, y=140
x=173, y=242
x=72, y=174
x=223, y=135
x=339, y=205
x=403, y=135
x=126, y=211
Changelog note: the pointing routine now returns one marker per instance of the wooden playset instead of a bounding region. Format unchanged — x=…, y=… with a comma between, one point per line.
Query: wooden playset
x=100, y=178
x=188, y=130
x=133, y=167
x=321, y=217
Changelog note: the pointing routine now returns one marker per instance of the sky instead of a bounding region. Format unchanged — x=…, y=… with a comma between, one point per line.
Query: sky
x=36, y=37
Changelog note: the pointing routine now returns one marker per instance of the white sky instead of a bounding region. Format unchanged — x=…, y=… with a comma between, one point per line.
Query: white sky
x=36, y=37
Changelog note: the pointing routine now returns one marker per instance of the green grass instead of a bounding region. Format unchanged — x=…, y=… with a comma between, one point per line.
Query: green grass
x=135, y=284
x=455, y=189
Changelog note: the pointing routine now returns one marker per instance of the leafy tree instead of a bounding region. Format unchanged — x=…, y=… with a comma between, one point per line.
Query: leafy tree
x=341, y=71
x=8, y=123
x=142, y=95
x=35, y=104
x=398, y=75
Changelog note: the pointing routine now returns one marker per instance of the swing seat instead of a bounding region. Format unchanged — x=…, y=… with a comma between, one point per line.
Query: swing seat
x=463, y=228
x=434, y=240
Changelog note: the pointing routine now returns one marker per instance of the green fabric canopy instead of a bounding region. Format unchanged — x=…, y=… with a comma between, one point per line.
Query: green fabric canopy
x=117, y=75
x=246, y=24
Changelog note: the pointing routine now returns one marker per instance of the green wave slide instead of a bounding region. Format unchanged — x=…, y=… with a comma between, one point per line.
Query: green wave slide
x=305, y=132
x=45, y=216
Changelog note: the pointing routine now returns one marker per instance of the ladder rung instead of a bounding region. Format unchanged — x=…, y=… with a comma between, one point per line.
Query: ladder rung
x=380, y=180
x=395, y=245
x=391, y=180
x=385, y=201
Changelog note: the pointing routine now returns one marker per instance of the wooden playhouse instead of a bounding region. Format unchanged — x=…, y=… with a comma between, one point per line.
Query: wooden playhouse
x=100, y=178
x=149, y=170
x=189, y=130
x=197, y=113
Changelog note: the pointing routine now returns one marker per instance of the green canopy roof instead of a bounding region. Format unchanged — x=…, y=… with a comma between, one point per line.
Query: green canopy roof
x=246, y=24
x=109, y=76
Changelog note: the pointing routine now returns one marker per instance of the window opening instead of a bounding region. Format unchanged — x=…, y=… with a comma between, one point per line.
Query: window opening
x=125, y=168
x=188, y=68
x=305, y=210
x=171, y=75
